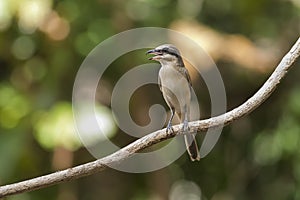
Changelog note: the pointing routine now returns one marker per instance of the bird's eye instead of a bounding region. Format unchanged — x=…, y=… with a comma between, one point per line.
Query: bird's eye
x=165, y=50
x=159, y=51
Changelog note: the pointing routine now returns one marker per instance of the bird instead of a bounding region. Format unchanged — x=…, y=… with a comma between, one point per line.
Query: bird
x=175, y=84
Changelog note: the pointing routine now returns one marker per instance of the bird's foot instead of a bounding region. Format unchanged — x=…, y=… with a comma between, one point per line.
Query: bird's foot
x=185, y=128
x=169, y=129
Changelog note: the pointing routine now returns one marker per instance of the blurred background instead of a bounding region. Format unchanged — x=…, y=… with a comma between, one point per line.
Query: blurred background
x=43, y=43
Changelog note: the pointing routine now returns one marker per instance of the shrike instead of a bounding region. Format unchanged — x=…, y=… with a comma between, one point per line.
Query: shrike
x=175, y=84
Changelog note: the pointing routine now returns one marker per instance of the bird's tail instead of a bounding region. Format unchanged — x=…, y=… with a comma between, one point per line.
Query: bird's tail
x=191, y=146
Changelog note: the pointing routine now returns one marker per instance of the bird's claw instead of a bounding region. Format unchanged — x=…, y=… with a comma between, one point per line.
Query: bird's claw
x=169, y=129
x=185, y=128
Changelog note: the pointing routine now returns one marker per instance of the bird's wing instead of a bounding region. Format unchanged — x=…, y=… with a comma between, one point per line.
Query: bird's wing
x=186, y=74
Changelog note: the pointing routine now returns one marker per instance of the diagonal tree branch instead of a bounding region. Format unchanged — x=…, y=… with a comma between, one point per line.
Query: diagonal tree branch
x=202, y=125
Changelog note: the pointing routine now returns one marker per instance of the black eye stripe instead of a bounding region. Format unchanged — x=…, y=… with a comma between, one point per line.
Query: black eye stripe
x=166, y=50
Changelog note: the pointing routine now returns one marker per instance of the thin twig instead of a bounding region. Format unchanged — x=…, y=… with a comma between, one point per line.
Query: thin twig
x=202, y=125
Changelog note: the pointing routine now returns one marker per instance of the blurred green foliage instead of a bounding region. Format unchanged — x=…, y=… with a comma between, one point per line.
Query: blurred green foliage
x=56, y=127
x=14, y=106
x=42, y=44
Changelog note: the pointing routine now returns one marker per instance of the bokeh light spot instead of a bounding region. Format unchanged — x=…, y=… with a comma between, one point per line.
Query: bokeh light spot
x=105, y=122
x=23, y=47
x=13, y=106
x=56, y=27
x=55, y=128
x=138, y=9
x=32, y=13
x=5, y=15
x=84, y=44
x=35, y=69
x=189, y=9
x=99, y=30
x=183, y=189
x=69, y=9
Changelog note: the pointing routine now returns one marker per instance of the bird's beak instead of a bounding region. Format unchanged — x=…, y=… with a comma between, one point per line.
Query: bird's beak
x=157, y=55
x=152, y=51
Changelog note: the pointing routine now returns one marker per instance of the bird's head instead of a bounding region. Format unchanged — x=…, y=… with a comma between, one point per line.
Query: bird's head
x=166, y=54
